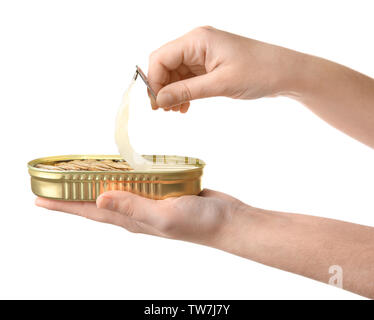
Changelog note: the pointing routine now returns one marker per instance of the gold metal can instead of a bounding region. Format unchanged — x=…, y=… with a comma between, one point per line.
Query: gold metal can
x=170, y=176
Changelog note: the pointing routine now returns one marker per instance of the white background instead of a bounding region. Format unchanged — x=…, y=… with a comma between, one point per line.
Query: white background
x=63, y=68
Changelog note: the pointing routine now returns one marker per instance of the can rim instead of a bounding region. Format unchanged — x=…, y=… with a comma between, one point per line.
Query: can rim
x=197, y=166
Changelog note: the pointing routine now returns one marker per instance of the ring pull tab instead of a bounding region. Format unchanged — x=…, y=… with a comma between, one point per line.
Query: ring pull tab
x=145, y=80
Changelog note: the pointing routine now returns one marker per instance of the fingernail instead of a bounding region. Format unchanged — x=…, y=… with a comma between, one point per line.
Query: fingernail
x=38, y=202
x=105, y=203
x=41, y=202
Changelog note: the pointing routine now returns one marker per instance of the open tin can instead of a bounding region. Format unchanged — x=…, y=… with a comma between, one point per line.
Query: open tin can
x=170, y=176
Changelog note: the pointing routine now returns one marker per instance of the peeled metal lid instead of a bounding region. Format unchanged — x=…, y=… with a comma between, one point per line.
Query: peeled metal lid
x=174, y=163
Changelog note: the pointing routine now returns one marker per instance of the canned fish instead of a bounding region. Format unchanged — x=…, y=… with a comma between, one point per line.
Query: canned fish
x=67, y=178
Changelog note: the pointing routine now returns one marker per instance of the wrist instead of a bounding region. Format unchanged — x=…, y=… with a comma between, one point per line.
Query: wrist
x=296, y=70
x=254, y=233
x=237, y=229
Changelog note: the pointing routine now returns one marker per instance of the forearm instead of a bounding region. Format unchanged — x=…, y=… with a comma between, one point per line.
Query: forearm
x=303, y=244
x=339, y=95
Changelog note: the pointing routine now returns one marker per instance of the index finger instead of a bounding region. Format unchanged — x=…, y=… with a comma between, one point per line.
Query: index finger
x=186, y=50
x=84, y=209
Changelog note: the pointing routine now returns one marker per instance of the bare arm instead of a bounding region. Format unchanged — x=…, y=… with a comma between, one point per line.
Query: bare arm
x=339, y=95
x=208, y=62
x=301, y=244
x=314, y=247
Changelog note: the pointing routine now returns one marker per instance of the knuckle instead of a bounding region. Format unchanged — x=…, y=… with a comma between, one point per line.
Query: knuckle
x=166, y=225
x=185, y=93
x=203, y=30
x=125, y=207
x=153, y=55
x=207, y=28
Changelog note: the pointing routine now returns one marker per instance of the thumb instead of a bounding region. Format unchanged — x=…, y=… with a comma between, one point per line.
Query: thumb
x=129, y=204
x=204, y=86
